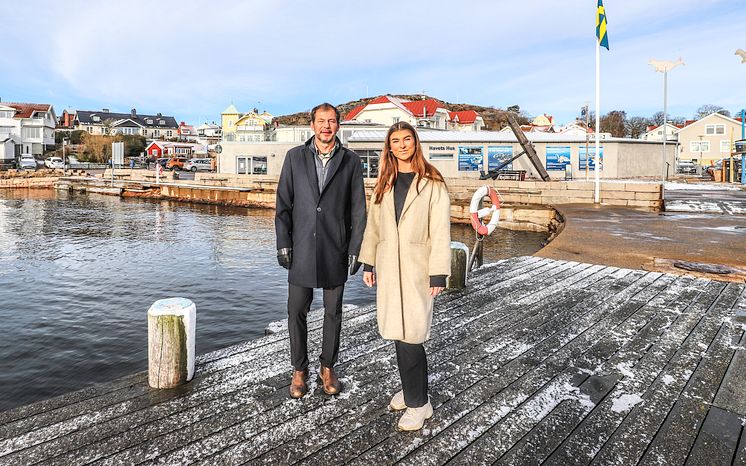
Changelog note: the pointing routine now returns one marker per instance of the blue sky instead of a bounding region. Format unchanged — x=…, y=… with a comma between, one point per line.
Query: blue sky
x=192, y=59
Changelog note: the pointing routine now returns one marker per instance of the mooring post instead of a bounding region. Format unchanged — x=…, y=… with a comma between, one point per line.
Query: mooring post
x=171, y=325
x=459, y=260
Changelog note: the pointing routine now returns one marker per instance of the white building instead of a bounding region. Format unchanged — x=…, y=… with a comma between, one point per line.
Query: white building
x=26, y=128
x=655, y=133
x=429, y=113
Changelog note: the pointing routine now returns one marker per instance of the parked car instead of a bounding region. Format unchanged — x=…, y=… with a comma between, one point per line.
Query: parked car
x=54, y=162
x=162, y=161
x=176, y=163
x=198, y=164
x=28, y=162
x=686, y=167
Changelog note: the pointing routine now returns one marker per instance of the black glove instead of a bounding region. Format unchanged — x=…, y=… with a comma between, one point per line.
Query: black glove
x=353, y=263
x=285, y=257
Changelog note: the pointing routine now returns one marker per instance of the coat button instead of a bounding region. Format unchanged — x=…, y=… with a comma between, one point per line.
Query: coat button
x=318, y=209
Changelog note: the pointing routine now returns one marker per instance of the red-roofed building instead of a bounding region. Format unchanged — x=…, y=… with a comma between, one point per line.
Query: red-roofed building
x=28, y=127
x=427, y=113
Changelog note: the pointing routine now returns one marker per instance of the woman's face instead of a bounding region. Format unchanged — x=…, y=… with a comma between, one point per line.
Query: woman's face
x=402, y=144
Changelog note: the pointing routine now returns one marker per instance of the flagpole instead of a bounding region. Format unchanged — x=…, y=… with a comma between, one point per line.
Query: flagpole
x=597, y=166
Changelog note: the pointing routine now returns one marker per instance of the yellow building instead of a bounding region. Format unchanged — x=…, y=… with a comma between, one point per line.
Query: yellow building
x=244, y=127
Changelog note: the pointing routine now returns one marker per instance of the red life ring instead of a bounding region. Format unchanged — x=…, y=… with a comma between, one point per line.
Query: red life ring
x=478, y=212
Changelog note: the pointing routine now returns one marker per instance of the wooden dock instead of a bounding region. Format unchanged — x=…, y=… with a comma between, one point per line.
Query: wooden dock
x=538, y=362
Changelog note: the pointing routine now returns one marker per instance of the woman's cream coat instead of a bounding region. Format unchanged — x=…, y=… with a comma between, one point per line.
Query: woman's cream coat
x=405, y=256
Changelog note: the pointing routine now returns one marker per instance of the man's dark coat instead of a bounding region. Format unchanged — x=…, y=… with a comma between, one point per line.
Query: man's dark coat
x=322, y=228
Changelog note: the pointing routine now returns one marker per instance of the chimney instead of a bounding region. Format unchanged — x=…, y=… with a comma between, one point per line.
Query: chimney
x=133, y=113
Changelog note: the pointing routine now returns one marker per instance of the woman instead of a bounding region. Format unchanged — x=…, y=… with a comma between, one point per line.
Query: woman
x=407, y=239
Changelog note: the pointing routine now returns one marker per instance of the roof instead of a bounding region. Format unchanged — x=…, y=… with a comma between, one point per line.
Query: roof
x=231, y=110
x=465, y=117
x=85, y=117
x=26, y=110
x=354, y=112
x=384, y=99
x=423, y=108
x=711, y=115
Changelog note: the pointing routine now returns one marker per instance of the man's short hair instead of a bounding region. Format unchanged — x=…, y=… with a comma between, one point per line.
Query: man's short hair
x=324, y=106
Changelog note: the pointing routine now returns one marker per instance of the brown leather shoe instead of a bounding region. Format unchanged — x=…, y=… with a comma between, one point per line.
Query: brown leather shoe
x=329, y=381
x=298, y=387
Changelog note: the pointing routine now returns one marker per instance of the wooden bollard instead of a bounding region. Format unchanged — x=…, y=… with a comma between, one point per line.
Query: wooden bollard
x=171, y=326
x=459, y=260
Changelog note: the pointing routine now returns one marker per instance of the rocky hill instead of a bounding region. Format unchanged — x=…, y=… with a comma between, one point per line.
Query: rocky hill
x=494, y=118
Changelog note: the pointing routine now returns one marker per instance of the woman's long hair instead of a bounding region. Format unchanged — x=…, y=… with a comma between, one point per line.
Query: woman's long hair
x=388, y=167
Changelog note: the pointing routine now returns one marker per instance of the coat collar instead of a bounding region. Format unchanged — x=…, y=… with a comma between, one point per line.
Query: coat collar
x=415, y=189
x=332, y=167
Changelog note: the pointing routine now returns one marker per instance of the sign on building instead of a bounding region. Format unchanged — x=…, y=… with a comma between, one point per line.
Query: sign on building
x=498, y=155
x=470, y=158
x=558, y=157
x=592, y=164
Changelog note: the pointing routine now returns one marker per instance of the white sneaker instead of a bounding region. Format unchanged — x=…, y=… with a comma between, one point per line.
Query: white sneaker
x=397, y=402
x=414, y=418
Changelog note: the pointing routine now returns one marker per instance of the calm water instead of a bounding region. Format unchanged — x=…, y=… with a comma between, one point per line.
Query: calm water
x=78, y=273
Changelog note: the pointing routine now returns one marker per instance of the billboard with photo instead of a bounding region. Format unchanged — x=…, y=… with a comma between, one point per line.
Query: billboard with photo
x=497, y=155
x=558, y=157
x=470, y=158
x=592, y=164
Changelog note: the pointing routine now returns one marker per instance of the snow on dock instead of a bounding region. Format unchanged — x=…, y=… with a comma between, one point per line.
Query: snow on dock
x=538, y=361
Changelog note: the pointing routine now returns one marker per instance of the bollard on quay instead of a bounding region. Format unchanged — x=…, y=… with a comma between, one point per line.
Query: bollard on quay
x=459, y=261
x=171, y=334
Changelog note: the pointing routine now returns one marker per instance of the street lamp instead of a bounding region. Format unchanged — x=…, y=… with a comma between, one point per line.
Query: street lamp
x=664, y=66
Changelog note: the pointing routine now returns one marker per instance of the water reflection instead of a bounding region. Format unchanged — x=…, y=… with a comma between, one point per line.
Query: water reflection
x=78, y=273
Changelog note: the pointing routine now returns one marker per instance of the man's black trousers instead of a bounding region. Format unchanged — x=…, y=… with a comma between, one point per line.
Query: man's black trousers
x=299, y=303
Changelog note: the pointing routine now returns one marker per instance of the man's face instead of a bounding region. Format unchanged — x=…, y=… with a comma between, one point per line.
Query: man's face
x=325, y=125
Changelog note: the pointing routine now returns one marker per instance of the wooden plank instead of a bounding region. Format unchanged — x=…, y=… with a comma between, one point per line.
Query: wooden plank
x=731, y=394
x=638, y=363
x=678, y=432
x=538, y=365
x=247, y=449
x=518, y=290
x=717, y=439
x=235, y=434
x=636, y=432
x=497, y=436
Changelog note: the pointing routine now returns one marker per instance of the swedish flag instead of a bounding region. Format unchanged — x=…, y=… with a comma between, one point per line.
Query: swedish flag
x=603, y=39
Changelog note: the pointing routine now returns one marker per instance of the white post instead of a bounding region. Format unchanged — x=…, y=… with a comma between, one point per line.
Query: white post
x=171, y=335
x=597, y=165
x=665, y=112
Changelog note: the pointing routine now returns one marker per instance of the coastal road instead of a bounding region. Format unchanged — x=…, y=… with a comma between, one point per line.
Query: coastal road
x=625, y=237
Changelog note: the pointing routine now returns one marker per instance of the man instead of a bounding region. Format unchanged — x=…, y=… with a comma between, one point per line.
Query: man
x=319, y=222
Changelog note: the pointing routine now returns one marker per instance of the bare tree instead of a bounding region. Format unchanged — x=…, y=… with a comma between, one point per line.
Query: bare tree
x=637, y=126
x=707, y=109
x=614, y=122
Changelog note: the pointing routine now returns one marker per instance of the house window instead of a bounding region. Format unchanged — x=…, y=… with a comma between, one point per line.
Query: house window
x=715, y=129
x=168, y=133
x=149, y=121
x=96, y=118
x=725, y=147
x=699, y=146
x=6, y=114
x=90, y=129
x=162, y=122
x=144, y=131
x=156, y=133
x=396, y=120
